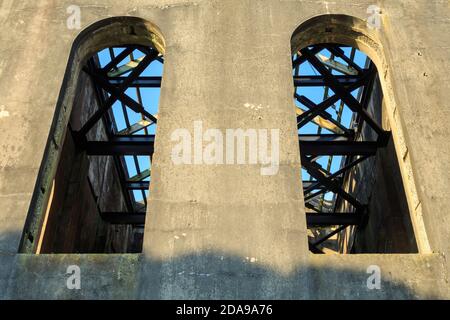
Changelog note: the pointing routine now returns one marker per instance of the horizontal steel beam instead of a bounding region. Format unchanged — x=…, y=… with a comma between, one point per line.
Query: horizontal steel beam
x=316, y=173
x=324, y=137
x=118, y=93
x=338, y=148
x=309, y=145
x=342, y=92
x=123, y=218
x=301, y=59
x=142, y=82
x=319, y=81
x=313, y=219
x=119, y=58
x=141, y=185
x=332, y=219
x=338, y=52
x=122, y=145
x=309, y=184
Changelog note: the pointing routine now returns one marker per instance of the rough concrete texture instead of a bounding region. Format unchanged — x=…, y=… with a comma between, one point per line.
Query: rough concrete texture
x=83, y=185
x=389, y=228
x=245, y=234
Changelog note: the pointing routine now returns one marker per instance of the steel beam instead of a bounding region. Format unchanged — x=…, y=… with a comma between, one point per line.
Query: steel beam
x=319, y=81
x=338, y=52
x=132, y=129
x=332, y=219
x=141, y=176
x=127, y=67
x=311, y=184
x=335, y=65
x=122, y=145
x=141, y=82
x=344, y=94
x=341, y=228
x=123, y=218
x=309, y=145
x=311, y=114
x=301, y=59
x=141, y=185
x=313, y=219
x=118, y=59
x=316, y=185
x=338, y=148
x=118, y=93
x=315, y=172
x=324, y=137
x=324, y=114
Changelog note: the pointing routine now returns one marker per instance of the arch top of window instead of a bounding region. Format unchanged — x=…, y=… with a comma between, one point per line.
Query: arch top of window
x=342, y=29
x=346, y=31
x=117, y=31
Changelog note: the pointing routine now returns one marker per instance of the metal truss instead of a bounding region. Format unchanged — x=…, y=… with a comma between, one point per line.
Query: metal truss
x=339, y=76
x=111, y=83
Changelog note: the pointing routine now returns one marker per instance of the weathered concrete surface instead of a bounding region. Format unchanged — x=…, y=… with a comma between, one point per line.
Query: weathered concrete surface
x=221, y=55
x=45, y=277
x=222, y=277
x=389, y=228
x=74, y=224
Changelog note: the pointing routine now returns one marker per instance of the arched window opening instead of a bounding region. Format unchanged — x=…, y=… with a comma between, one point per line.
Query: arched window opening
x=105, y=169
x=353, y=191
x=92, y=190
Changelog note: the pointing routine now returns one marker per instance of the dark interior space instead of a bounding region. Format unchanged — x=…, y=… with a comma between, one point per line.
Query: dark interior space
x=354, y=196
x=99, y=198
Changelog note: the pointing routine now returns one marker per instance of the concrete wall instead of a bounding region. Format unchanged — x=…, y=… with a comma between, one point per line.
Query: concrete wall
x=84, y=187
x=245, y=235
x=102, y=172
x=378, y=183
x=73, y=223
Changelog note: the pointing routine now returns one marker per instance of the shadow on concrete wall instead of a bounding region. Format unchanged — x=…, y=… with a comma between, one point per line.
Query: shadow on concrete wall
x=196, y=276
x=215, y=276
x=9, y=241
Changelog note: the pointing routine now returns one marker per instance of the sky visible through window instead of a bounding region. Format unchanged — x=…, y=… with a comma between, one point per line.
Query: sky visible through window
x=150, y=101
x=316, y=94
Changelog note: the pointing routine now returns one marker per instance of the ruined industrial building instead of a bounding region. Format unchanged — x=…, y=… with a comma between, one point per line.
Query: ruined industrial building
x=225, y=149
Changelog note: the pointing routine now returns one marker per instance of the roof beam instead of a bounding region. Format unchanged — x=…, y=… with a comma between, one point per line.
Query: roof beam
x=319, y=81
x=313, y=219
x=309, y=145
x=332, y=219
x=315, y=172
x=335, y=65
x=140, y=185
x=141, y=125
x=344, y=94
x=141, y=82
x=338, y=148
x=122, y=145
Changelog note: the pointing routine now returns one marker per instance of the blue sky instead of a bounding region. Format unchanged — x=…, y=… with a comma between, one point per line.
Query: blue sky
x=150, y=98
x=316, y=94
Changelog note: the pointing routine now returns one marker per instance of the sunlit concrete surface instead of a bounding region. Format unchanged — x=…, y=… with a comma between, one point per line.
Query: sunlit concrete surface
x=225, y=232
